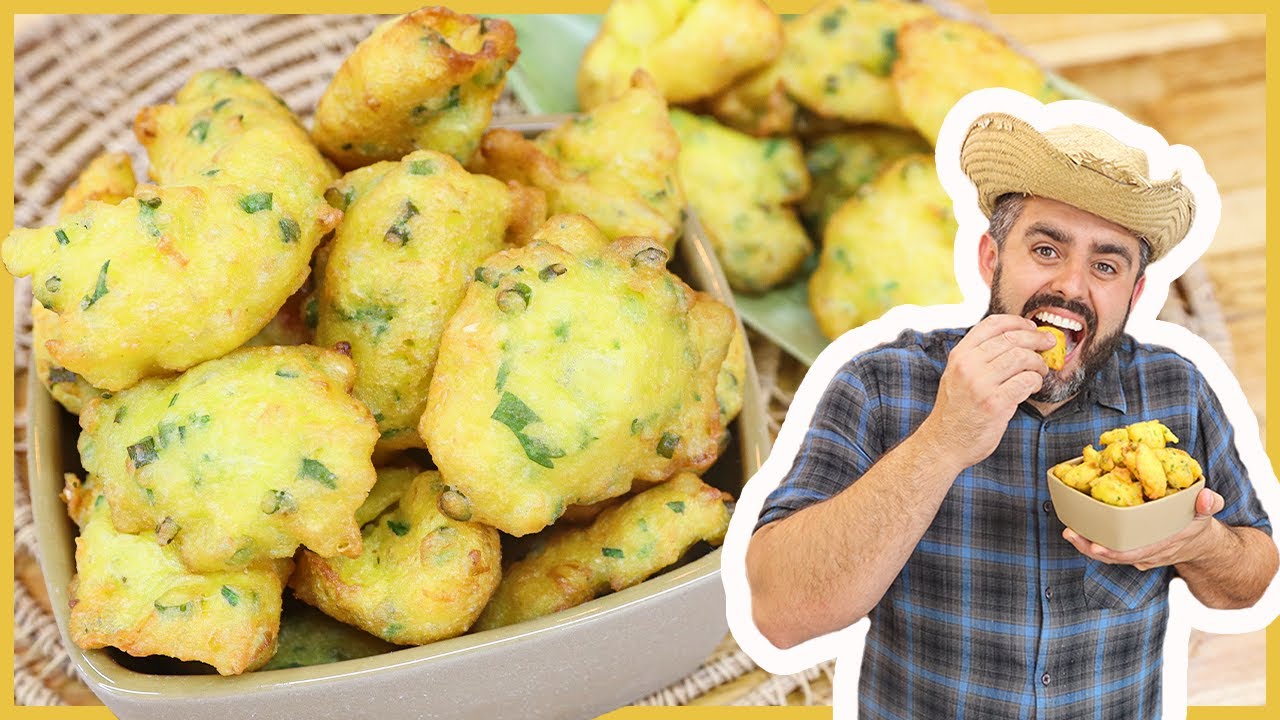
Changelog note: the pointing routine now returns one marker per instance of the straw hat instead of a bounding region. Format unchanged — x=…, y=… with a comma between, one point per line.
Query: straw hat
x=1080, y=166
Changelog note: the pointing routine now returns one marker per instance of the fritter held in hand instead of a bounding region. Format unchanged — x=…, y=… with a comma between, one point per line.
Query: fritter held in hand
x=841, y=163
x=239, y=459
x=943, y=60
x=616, y=165
x=422, y=576
x=622, y=547
x=1055, y=356
x=108, y=179
x=891, y=244
x=423, y=81
x=839, y=56
x=191, y=269
x=397, y=269
x=693, y=48
x=740, y=186
x=133, y=593
x=562, y=378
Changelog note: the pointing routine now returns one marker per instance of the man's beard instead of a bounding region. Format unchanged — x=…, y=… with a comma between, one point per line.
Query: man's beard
x=1094, y=353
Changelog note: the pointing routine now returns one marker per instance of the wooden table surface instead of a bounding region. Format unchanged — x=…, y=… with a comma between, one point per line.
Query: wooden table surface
x=1200, y=81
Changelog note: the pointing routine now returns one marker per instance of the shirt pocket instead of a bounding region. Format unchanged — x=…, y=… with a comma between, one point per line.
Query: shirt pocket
x=1121, y=587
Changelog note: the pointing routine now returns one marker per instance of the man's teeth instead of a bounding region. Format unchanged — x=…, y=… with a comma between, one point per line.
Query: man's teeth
x=1059, y=321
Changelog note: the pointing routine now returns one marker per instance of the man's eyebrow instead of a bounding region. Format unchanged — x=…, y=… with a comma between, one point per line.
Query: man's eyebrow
x=1106, y=248
x=1052, y=232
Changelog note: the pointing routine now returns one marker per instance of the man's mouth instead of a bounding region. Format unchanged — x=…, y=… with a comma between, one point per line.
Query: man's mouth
x=1072, y=329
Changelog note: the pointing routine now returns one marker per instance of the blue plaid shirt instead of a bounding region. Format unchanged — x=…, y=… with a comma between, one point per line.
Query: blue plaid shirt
x=995, y=615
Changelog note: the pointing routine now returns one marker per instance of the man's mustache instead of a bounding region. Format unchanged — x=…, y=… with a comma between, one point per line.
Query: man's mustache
x=1045, y=300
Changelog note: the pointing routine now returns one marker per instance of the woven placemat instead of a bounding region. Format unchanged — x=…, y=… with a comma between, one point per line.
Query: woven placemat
x=79, y=81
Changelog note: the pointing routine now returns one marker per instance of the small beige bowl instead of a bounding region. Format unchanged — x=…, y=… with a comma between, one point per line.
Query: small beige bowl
x=1123, y=528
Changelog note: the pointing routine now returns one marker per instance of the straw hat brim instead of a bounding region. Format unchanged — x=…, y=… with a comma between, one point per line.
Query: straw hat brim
x=1005, y=154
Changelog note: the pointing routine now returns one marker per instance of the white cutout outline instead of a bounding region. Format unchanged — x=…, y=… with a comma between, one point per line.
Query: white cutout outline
x=1185, y=612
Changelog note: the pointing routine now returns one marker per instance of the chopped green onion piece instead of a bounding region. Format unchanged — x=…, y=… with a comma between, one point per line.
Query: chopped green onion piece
x=611, y=552
x=199, y=131
x=289, y=230
x=231, y=596
x=677, y=506
x=61, y=235
x=255, y=202
x=667, y=445
x=315, y=470
x=99, y=290
x=399, y=528
x=143, y=452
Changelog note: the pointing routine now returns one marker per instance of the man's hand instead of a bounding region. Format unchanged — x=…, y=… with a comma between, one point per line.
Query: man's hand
x=1193, y=543
x=993, y=369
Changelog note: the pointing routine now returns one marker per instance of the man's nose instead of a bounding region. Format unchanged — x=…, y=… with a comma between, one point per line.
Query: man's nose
x=1071, y=280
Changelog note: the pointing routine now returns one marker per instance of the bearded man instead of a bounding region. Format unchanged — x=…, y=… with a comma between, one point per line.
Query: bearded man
x=918, y=497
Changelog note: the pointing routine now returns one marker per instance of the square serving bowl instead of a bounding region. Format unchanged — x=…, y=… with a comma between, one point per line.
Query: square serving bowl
x=577, y=663
x=1122, y=528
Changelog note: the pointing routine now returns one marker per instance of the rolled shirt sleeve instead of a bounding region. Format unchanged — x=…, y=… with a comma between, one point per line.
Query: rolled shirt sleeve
x=1224, y=472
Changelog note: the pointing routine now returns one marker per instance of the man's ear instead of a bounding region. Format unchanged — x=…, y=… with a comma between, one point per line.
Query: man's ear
x=988, y=257
x=1138, y=287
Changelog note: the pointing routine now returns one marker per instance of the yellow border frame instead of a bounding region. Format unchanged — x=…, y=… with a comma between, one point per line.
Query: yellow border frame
x=1260, y=712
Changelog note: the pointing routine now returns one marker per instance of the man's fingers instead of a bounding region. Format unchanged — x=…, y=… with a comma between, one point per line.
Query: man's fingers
x=1032, y=340
x=1209, y=503
x=992, y=326
x=1021, y=386
x=1014, y=361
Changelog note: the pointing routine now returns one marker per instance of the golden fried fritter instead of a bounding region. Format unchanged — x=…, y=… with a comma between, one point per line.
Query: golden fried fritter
x=562, y=378
x=422, y=576
x=1151, y=433
x=841, y=163
x=387, y=491
x=1180, y=469
x=239, y=459
x=757, y=103
x=134, y=593
x=1091, y=456
x=693, y=48
x=733, y=378
x=1146, y=466
x=423, y=81
x=1082, y=476
x=191, y=269
x=616, y=165
x=1055, y=356
x=891, y=244
x=108, y=178
x=413, y=234
x=941, y=61
x=1111, y=437
x=1116, y=490
x=739, y=186
x=839, y=55
x=622, y=547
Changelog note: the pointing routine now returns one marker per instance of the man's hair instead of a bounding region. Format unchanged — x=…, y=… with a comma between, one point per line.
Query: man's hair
x=1008, y=208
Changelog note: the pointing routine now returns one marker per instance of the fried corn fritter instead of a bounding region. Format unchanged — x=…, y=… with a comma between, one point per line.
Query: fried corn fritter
x=943, y=60
x=562, y=378
x=622, y=547
x=739, y=187
x=1055, y=356
x=423, y=81
x=839, y=56
x=108, y=178
x=134, y=593
x=616, y=165
x=757, y=104
x=239, y=459
x=733, y=378
x=422, y=576
x=891, y=244
x=397, y=269
x=390, y=487
x=1133, y=466
x=693, y=48
x=220, y=244
x=842, y=162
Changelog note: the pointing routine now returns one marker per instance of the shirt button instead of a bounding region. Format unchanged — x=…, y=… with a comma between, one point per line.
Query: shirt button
x=1048, y=506
x=1048, y=593
x=1044, y=679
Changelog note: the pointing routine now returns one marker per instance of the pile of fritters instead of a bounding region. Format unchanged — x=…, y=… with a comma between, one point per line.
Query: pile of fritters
x=1134, y=465
x=856, y=86
x=349, y=385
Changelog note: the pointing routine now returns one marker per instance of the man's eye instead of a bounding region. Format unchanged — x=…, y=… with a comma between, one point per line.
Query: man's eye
x=1044, y=251
x=1106, y=268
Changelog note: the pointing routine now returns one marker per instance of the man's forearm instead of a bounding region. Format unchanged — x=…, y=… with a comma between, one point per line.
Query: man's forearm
x=826, y=566
x=1235, y=571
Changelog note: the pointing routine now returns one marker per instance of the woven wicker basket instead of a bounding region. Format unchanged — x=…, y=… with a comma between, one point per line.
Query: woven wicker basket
x=79, y=81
